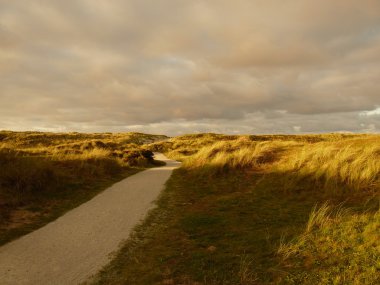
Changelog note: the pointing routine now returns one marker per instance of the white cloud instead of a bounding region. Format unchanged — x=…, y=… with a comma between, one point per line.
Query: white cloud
x=375, y=112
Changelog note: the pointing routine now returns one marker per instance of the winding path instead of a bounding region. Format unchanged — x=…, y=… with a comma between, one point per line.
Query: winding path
x=78, y=244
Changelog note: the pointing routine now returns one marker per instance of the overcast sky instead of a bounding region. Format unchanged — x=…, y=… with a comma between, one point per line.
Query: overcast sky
x=182, y=66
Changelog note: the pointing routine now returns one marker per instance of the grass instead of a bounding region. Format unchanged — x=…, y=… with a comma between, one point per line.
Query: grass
x=43, y=175
x=260, y=210
x=337, y=247
x=271, y=209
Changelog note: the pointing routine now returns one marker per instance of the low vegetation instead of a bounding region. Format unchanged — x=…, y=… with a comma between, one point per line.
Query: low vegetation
x=241, y=209
x=261, y=210
x=42, y=175
x=337, y=247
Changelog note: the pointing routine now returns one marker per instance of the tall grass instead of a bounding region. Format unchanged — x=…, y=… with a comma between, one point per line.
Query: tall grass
x=235, y=155
x=35, y=140
x=334, y=165
x=24, y=176
x=328, y=161
x=36, y=168
x=337, y=247
x=229, y=196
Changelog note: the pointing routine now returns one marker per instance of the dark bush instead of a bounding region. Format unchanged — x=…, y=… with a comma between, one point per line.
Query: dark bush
x=138, y=157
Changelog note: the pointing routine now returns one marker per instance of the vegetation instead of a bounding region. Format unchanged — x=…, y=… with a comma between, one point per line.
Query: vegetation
x=261, y=210
x=42, y=175
x=241, y=209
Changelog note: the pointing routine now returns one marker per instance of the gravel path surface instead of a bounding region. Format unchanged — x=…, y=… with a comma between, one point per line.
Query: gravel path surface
x=78, y=244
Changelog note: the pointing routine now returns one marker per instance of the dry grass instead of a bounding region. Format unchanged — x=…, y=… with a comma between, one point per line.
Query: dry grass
x=337, y=247
x=332, y=161
x=240, y=195
x=236, y=155
x=340, y=241
x=43, y=169
x=354, y=164
x=335, y=240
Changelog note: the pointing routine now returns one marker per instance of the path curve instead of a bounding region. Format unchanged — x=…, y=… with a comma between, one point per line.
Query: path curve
x=78, y=244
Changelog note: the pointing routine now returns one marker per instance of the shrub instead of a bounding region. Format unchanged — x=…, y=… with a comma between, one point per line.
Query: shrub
x=137, y=157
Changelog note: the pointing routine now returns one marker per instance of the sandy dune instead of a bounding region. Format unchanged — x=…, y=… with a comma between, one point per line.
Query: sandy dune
x=78, y=244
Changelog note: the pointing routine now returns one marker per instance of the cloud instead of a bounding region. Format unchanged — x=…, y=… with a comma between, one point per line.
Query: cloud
x=183, y=66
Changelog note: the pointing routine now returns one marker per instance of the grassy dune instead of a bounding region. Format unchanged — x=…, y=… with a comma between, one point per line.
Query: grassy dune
x=337, y=165
x=261, y=210
x=43, y=175
x=241, y=209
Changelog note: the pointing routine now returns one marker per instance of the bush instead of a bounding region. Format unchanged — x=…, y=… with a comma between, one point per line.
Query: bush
x=137, y=157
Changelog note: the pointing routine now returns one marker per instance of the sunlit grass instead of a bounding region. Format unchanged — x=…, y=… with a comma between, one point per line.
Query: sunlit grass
x=268, y=209
x=310, y=215
x=328, y=160
x=355, y=165
x=337, y=247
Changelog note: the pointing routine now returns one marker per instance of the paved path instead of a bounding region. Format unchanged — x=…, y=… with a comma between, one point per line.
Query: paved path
x=77, y=245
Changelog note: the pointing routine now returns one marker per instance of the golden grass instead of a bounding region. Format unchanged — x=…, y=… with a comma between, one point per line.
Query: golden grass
x=38, y=168
x=250, y=199
x=332, y=161
x=94, y=153
x=354, y=164
x=235, y=155
x=337, y=247
x=23, y=155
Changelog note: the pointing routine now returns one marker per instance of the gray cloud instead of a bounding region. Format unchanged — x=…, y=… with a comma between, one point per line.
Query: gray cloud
x=183, y=66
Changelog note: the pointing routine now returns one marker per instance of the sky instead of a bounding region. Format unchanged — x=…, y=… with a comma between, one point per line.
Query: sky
x=186, y=66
